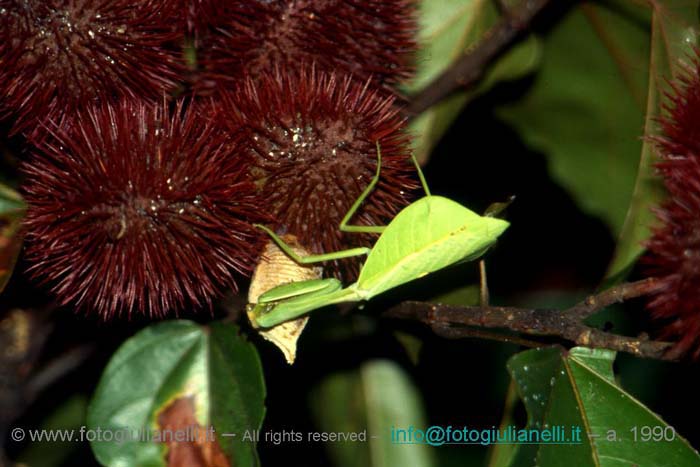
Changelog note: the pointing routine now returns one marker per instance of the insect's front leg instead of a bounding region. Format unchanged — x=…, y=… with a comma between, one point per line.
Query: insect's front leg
x=269, y=314
x=311, y=259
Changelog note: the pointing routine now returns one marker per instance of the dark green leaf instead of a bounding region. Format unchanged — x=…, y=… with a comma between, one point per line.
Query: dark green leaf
x=375, y=398
x=503, y=455
x=12, y=210
x=213, y=367
x=674, y=34
x=534, y=374
x=585, y=111
x=578, y=389
x=236, y=390
x=411, y=345
x=11, y=203
x=11, y=239
x=448, y=28
x=70, y=415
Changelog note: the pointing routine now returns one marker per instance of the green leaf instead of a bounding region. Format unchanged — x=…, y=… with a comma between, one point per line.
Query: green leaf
x=533, y=373
x=374, y=398
x=674, y=33
x=448, y=28
x=213, y=367
x=500, y=454
x=12, y=209
x=11, y=203
x=411, y=344
x=11, y=239
x=578, y=389
x=585, y=111
x=70, y=415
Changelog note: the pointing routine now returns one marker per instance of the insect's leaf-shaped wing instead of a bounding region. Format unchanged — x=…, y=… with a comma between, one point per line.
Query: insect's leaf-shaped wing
x=430, y=234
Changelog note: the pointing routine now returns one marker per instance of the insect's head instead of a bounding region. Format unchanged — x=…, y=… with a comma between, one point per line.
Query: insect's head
x=258, y=310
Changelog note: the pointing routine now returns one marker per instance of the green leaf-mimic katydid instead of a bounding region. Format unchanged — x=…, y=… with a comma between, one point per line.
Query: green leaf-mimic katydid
x=429, y=234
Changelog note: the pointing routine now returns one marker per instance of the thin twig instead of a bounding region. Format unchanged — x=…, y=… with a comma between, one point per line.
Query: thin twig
x=56, y=369
x=484, y=295
x=622, y=292
x=470, y=68
x=458, y=321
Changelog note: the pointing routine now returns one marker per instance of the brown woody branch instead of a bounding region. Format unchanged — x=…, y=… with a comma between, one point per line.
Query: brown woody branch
x=470, y=68
x=460, y=321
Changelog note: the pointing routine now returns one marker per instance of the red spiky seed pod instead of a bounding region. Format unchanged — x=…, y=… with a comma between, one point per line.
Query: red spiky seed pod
x=311, y=139
x=367, y=38
x=136, y=209
x=674, y=249
x=201, y=14
x=59, y=55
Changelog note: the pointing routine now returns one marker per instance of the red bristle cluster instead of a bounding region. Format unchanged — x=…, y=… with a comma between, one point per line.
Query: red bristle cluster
x=58, y=56
x=199, y=15
x=366, y=38
x=674, y=249
x=311, y=139
x=137, y=209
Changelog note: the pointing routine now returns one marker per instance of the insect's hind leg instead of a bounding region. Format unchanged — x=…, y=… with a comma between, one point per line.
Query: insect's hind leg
x=310, y=259
x=344, y=227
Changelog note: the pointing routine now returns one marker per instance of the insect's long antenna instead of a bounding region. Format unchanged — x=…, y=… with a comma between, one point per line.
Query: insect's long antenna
x=421, y=176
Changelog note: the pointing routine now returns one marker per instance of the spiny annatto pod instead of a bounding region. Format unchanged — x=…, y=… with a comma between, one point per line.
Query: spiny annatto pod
x=367, y=38
x=60, y=55
x=312, y=144
x=674, y=249
x=137, y=208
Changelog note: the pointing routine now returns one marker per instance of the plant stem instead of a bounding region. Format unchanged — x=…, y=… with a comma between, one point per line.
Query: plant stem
x=471, y=67
x=459, y=321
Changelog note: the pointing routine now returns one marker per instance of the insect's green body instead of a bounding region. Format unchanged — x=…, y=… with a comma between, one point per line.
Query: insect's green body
x=426, y=236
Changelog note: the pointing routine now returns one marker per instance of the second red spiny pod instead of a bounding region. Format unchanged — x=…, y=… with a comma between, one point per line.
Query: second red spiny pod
x=311, y=140
x=368, y=38
x=673, y=256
